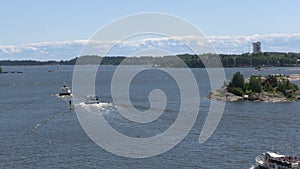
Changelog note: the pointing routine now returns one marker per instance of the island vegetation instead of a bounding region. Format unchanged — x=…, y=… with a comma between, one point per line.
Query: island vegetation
x=192, y=61
x=271, y=88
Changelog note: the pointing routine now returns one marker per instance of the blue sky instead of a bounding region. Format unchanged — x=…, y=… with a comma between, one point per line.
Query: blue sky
x=24, y=24
x=56, y=20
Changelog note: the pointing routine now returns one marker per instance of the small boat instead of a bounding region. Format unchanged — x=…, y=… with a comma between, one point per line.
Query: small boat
x=65, y=91
x=92, y=100
x=271, y=160
x=258, y=68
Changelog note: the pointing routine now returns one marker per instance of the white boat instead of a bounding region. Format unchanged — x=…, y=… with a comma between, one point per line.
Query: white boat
x=92, y=100
x=65, y=91
x=271, y=160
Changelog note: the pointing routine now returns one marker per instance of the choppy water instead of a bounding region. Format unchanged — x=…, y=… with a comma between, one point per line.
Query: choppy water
x=38, y=131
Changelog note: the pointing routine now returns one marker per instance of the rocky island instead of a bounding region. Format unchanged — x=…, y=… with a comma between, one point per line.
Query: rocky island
x=271, y=88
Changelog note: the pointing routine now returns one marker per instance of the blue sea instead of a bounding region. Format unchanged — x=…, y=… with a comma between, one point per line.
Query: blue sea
x=37, y=129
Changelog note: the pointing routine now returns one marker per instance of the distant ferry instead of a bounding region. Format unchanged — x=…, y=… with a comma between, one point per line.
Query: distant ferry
x=271, y=160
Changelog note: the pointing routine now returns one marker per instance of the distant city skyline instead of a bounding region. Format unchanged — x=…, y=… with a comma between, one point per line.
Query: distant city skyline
x=232, y=26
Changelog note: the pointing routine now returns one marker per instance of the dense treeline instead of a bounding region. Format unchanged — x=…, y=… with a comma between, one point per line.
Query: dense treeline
x=193, y=61
x=26, y=62
x=260, y=59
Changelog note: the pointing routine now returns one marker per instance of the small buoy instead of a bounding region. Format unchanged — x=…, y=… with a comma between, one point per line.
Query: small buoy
x=70, y=104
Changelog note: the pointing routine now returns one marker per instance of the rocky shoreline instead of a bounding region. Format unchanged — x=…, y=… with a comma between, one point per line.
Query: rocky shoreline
x=223, y=95
x=272, y=88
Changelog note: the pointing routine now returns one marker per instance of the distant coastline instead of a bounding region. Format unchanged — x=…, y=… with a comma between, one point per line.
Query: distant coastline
x=264, y=59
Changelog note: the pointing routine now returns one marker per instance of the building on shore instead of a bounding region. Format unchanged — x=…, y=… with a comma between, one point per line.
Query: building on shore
x=256, y=47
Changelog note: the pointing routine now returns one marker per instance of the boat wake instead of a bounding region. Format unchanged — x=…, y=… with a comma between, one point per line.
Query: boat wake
x=44, y=122
x=37, y=126
x=97, y=108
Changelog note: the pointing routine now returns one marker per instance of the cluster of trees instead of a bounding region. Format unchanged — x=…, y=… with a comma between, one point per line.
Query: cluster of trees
x=259, y=59
x=26, y=63
x=192, y=61
x=257, y=84
x=0, y=70
x=196, y=61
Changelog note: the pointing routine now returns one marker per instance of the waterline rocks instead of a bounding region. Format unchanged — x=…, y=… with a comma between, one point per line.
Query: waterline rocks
x=271, y=88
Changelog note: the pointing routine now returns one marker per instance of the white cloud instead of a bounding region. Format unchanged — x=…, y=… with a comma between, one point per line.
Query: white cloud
x=61, y=50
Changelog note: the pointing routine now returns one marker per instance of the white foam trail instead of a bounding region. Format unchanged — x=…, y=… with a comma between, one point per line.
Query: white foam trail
x=97, y=109
x=42, y=123
x=36, y=127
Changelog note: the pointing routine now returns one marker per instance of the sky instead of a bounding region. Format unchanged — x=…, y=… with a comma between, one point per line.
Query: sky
x=24, y=23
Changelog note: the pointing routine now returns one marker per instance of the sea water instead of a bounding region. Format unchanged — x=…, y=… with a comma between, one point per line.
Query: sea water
x=37, y=129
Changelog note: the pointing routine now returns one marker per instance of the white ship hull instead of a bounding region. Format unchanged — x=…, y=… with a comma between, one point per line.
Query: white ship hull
x=270, y=160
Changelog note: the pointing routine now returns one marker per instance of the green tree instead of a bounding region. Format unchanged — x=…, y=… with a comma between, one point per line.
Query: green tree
x=237, y=81
x=290, y=86
x=280, y=87
x=246, y=86
x=0, y=70
x=255, y=84
x=268, y=87
x=243, y=61
x=238, y=91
